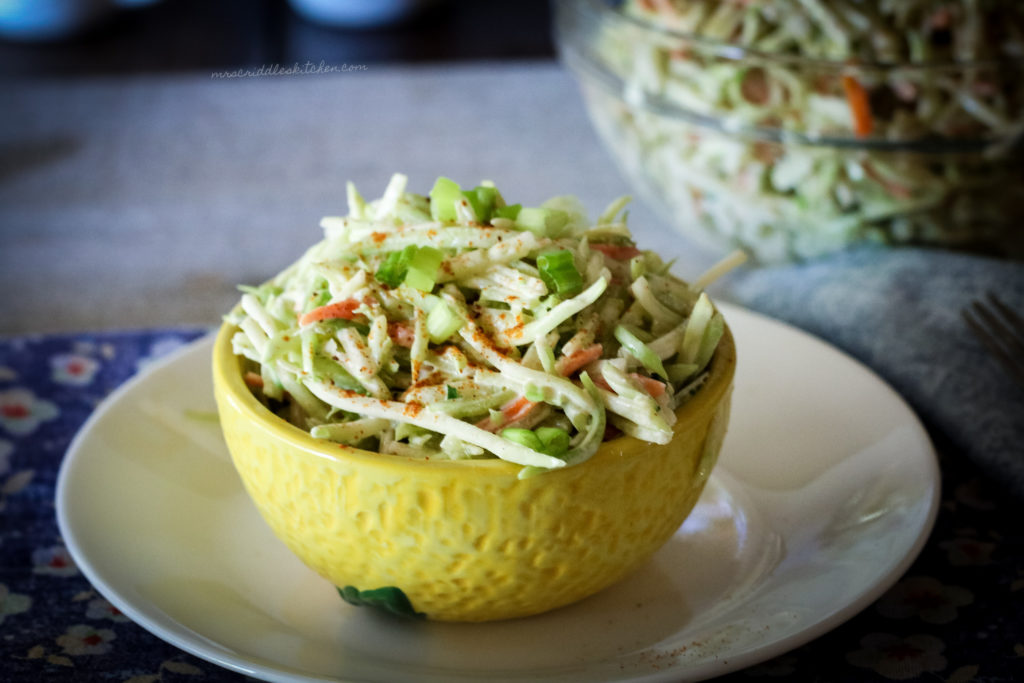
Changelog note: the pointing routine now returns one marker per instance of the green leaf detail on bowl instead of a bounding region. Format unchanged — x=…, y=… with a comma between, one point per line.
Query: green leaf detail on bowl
x=388, y=598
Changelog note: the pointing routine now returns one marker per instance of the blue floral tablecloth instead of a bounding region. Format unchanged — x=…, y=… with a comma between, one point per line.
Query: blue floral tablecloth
x=955, y=617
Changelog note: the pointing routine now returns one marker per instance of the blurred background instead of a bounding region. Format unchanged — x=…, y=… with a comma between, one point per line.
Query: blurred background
x=154, y=154
x=186, y=35
x=148, y=166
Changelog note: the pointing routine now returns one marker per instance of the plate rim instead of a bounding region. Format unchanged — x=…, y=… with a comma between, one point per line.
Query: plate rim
x=222, y=655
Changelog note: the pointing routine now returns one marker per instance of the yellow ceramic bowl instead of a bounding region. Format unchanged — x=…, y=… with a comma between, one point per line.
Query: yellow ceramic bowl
x=466, y=540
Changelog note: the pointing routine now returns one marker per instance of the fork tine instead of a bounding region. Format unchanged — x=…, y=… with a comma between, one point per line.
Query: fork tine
x=1001, y=331
x=998, y=336
x=1011, y=316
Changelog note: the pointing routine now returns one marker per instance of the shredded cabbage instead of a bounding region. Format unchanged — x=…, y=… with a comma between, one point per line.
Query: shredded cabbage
x=441, y=360
x=793, y=128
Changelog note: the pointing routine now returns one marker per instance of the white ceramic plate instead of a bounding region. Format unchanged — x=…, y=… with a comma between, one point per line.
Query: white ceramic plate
x=826, y=490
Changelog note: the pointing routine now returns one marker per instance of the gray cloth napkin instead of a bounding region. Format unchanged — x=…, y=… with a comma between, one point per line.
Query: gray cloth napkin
x=899, y=312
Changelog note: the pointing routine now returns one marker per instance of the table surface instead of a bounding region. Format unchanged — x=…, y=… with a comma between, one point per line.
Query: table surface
x=953, y=617
x=138, y=203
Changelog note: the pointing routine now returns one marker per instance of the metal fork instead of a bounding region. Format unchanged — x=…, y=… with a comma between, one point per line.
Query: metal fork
x=1001, y=330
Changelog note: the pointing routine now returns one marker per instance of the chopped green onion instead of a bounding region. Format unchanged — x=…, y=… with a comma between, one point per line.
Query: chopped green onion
x=554, y=441
x=548, y=440
x=649, y=359
x=395, y=266
x=482, y=199
x=442, y=322
x=322, y=299
x=510, y=212
x=442, y=199
x=450, y=392
x=544, y=222
x=534, y=393
x=558, y=271
x=423, y=267
x=523, y=437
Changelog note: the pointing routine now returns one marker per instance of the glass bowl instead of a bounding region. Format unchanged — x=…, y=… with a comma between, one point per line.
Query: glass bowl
x=791, y=151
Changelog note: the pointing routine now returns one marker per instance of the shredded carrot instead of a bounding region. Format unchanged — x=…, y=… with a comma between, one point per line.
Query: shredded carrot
x=513, y=410
x=567, y=365
x=517, y=408
x=860, y=107
x=649, y=384
x=617, y=252
x=339, y=309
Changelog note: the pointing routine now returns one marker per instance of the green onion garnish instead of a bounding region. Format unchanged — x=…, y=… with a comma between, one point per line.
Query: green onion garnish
x=450, y=392
x=544, y=222
x=482, y=198
x=558, y=271
x=649, y=359
x=442, y=199
x=423, y=267
x=547, y=440
x=395, y=266
x=442, y=322
x=554, y=441
x=523, y=437
x=510, y=212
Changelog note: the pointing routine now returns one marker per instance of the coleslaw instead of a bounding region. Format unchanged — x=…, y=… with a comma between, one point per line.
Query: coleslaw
x=795, y=128
x=456, y=325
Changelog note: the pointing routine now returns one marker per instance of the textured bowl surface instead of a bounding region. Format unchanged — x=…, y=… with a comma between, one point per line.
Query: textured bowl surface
x=466, y=540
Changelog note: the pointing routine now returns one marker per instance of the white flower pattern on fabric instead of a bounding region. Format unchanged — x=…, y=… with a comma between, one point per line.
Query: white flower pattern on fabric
x=82, y=639
x=12, y=603
x=85, y=347
x=21, y=412
x=924, y=597
x=100, y=608
x=54, y=561
x=73, y=369
x=968, y=552
x=899, y=658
